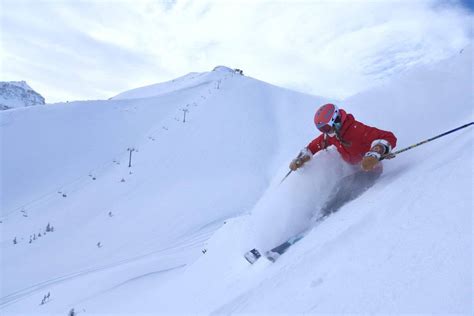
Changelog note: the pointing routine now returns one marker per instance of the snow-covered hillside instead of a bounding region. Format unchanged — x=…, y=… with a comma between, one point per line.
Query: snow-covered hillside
x=189, y=81
x=167, y=235
x=15, y=94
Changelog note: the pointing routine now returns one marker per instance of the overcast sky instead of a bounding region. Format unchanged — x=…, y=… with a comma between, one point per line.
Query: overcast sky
x=78, y=50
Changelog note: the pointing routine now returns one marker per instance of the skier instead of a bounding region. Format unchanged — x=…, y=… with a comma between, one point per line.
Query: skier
x=357, y=143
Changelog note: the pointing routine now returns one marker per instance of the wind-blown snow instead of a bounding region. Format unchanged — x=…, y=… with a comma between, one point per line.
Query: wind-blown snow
x=201, y=193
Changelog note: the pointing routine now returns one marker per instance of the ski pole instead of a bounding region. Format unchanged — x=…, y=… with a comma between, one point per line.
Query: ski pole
x=289, y=172
x=425, y=141
x=286, y=176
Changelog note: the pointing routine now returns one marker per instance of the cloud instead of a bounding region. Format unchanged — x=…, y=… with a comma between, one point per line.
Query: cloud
x=96, y=49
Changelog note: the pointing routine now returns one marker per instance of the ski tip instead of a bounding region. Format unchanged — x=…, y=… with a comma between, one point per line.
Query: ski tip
x=252, y=256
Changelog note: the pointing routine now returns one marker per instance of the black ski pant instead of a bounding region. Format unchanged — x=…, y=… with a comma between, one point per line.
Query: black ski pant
x=349, y=188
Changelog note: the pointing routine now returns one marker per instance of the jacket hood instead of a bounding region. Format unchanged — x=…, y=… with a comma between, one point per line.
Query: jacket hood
x=347, y=121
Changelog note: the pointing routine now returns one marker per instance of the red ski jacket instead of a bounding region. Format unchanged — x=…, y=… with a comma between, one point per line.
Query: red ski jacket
x=353, y=140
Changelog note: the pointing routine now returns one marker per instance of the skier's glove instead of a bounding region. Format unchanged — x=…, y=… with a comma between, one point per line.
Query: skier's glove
x=303, y=157
x=296, y=163
x=370, y=160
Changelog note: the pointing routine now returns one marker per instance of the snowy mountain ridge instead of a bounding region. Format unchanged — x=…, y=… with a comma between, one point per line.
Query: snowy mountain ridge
x=15, y=94
x=167, y=235
x=188, y=81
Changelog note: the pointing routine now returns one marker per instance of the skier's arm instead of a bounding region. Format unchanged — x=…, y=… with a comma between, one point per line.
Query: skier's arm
x=306, y=153
x=382, y=143
x=317, y=144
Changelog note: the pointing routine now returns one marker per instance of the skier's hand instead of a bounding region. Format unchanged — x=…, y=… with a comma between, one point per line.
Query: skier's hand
x=296, y=163
x=370, y=160
x=299, y=161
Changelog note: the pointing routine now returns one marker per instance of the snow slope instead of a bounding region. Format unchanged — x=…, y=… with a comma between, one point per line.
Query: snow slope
x=212, y=184
x=168, y=196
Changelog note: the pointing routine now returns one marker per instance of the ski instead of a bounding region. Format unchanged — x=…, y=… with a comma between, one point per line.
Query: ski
x=273, y=254
x=253, y=255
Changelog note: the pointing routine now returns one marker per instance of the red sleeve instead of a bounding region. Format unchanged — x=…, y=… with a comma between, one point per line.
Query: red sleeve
x=317, y=144
x=375, y=134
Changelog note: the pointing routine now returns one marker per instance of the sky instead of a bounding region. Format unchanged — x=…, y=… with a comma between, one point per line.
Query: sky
x=85, y=50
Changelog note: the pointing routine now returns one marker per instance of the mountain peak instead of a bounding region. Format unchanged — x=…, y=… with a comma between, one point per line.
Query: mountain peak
x=16, y=94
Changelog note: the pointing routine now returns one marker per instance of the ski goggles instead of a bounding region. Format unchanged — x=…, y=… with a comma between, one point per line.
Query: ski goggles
x=330, y=127
x=325, y=128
